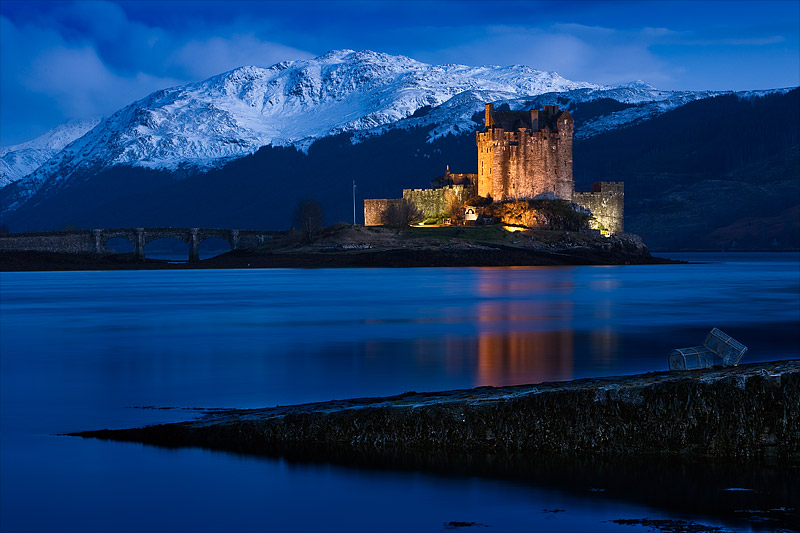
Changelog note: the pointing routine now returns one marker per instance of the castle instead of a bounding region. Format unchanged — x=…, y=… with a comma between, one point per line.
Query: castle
x=521, y=155
x=524, y=154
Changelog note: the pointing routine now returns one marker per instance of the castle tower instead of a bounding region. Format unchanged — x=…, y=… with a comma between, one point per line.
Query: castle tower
x=522, y=154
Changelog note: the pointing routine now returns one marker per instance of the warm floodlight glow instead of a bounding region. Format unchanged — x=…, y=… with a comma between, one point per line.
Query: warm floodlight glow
x=512, y=229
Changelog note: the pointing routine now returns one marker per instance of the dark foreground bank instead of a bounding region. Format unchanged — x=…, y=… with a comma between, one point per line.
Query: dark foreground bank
x=750, y=411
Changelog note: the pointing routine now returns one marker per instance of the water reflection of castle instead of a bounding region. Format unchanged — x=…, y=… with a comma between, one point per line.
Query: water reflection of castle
x=517, y=340
x=519, y=357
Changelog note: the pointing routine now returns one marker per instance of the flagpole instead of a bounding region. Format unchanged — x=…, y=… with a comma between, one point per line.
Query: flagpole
x=354, y=202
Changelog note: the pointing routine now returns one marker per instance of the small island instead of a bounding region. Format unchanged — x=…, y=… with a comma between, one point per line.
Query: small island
x=348, y=246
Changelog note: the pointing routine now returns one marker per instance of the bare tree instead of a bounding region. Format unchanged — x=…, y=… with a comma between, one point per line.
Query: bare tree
x=455, y=210
x=308, y=218
x=401, y=213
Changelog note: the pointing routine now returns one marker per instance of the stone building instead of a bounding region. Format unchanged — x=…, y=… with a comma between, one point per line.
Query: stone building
x=524, y=154
x=521, y=155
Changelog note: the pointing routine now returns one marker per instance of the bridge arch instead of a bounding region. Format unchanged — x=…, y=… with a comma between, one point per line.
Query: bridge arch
x=141, y=237
x=169, y=247
x=212, y=246
x=120, y=245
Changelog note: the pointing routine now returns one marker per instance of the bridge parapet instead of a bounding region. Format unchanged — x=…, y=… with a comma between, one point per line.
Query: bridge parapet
x=74, y=242
x=95, y=241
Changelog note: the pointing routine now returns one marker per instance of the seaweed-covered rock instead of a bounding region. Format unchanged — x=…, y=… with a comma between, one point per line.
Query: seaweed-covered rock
x=740, y=412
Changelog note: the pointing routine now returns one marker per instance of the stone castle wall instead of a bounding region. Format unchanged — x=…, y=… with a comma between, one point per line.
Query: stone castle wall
x=607, y=204
x=436, y=203
x=374, y=209
x=527, y=162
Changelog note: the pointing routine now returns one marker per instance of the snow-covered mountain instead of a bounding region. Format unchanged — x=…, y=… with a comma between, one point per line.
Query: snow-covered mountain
x=290, y=103
x=457, y=114
x=207, y=124
x=19, y=160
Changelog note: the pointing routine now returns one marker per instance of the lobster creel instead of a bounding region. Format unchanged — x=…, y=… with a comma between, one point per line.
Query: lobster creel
x=691, y=358
x=726, y=347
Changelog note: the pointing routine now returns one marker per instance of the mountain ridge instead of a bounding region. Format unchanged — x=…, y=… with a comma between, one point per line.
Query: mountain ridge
x=206, y=124
x=19, y=160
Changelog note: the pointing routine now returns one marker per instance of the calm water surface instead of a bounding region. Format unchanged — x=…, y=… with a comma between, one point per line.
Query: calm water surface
x=87, y=350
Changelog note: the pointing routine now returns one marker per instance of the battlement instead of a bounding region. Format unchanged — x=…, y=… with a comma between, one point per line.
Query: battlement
x=550, y=119
x=609, y=187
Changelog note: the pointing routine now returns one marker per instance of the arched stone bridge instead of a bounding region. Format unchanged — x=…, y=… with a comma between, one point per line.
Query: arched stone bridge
x=95, y=241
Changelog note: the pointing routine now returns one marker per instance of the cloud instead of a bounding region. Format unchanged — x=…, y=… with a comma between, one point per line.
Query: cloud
x=588, y=53
x=751, y=41
x=204, y=58
x=83, y=85
x=88, y=58
x=41, y=61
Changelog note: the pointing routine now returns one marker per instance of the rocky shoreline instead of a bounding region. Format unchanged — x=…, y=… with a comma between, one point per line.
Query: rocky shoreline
x=746, y=412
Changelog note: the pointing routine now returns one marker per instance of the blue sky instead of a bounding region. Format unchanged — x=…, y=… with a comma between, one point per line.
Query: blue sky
x=64, y=60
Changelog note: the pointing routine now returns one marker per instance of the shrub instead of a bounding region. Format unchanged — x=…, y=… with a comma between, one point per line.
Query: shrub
x=545, y=214
x=401, y=213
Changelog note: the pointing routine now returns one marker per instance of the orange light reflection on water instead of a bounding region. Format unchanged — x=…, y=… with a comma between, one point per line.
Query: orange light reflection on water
x=521, y=357
x=517, y=343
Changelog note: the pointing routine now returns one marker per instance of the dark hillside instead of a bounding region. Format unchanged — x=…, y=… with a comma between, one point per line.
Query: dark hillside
x=259, y=191
x=706, y=138
x=707, y=175
x=694, y=175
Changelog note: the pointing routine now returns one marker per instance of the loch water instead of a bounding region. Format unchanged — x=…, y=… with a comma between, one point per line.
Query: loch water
x=92, y=350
